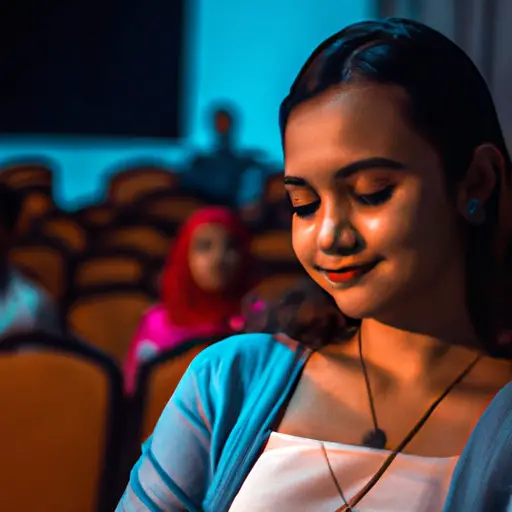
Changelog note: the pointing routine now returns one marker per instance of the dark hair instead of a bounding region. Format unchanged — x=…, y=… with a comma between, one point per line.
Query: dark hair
x=449, y=103
x=305, y=312
x=10, y=207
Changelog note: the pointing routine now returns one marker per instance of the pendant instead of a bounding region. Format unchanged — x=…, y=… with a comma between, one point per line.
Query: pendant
x=375, y=438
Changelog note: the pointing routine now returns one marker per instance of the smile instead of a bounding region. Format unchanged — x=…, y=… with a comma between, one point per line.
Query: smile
x=348, y=275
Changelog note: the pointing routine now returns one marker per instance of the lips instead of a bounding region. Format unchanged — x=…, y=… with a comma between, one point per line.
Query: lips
x=349, y=274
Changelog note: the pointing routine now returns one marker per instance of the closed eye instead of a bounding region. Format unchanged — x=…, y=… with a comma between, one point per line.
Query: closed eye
x=376, y=198
x=306, y=210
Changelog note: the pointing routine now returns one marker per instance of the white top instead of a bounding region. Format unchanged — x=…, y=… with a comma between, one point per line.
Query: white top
x=292, y=475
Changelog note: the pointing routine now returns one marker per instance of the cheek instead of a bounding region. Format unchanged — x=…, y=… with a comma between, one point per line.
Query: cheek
x=304, y=241
x=388, y=230
x=419, y=222
x=198, y=265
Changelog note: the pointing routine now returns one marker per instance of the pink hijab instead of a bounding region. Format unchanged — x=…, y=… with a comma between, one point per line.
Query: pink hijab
x=186, y=311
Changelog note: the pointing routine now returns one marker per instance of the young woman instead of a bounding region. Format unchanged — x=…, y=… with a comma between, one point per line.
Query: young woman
x=399, y=178
x=207, y=274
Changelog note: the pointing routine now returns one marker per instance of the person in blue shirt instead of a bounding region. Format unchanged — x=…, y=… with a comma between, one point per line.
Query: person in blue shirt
x=400, y=184
x=24, y=305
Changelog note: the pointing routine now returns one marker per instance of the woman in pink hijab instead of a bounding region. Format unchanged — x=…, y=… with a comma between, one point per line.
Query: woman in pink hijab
x=208, y=271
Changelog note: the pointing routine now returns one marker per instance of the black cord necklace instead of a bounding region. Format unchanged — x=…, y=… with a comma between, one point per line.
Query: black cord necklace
x=378, y=436
x=375, y=438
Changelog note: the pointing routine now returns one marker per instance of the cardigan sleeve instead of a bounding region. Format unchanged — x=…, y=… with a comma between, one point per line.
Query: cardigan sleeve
x=216, y=412
x=173, y=471
x=482, y=481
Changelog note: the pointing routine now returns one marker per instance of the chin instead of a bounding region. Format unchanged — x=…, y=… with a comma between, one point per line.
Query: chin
x=381, y=292
x=357, y=308
x=212, y=287
x=366, y=301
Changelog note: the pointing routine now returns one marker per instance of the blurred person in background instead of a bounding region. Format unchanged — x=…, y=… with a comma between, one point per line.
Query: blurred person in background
x=24, y=306
x=221, y=173
x=208, y=272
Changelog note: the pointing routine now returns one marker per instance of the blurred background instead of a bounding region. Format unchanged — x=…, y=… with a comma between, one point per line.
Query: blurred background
x=118, y=120
x=91, y=84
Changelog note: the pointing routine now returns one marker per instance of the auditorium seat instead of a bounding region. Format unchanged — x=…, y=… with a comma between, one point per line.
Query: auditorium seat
x=126, y=186
x=59, y=430
x=107, y=316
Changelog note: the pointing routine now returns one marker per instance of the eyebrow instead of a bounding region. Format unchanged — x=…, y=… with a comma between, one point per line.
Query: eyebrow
x=354, y=167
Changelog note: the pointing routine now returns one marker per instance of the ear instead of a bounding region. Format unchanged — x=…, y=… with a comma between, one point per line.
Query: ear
x=479, y=182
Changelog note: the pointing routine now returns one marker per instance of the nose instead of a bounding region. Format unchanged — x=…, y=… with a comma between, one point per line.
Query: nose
x=337, y=236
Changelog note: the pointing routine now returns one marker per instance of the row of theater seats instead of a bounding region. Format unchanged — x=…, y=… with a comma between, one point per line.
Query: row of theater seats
x=143, y=208
x=70, y=437
x=158, y=189
x=102, y=264
x=60, y=251
x=103, y=292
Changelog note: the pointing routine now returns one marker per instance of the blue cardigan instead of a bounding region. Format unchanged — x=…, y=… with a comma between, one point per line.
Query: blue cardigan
x=221, y=414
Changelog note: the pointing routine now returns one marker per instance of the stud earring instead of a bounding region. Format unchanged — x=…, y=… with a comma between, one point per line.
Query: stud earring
x=472, y=206
x=475, y=213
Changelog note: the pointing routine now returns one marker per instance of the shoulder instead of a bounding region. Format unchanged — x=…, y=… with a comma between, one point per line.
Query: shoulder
x=154, y=317
x=250, y=349
x=157, y=310
x=231, y=378
x=215, y=412
x=482, y=474
x=500, y=409
x=246, y=356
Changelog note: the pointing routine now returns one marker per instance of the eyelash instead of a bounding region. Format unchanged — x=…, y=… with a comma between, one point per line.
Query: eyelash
x=307, y=210
x=375, y=199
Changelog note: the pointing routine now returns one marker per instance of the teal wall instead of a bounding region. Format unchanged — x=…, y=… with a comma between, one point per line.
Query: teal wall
x=244, y=52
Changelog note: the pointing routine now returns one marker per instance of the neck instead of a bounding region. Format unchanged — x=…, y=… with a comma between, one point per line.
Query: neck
x=426, y=329
x=414, y=348
x=224, y=143
x=406, y=356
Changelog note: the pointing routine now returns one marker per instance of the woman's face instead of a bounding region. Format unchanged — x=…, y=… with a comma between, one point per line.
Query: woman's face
x=373, y=223
x=214, y=257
